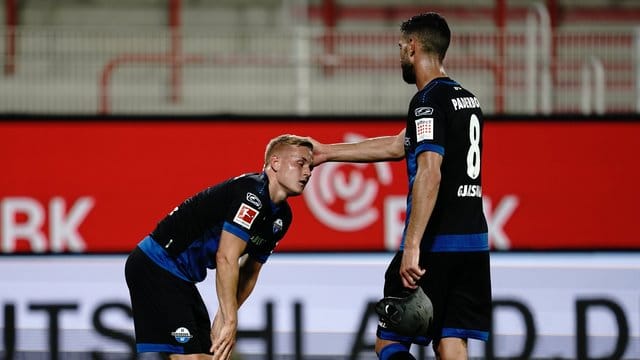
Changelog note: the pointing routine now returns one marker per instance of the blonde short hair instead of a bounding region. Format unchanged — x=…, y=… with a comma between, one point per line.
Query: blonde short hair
x=281, y=141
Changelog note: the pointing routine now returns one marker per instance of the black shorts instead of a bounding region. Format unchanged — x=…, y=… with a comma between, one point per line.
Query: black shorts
x=169, y=315
x=459, y=286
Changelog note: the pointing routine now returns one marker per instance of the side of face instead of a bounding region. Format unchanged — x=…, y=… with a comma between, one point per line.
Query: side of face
x=293, y=166
x=406, y=60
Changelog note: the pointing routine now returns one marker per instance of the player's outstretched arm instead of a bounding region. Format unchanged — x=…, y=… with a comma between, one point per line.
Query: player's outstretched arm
x=383, y=148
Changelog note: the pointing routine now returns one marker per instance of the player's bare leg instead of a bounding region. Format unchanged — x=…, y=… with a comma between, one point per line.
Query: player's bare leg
x=189, y=357
x=392, y=350
x=380, y=344
x=451, y=349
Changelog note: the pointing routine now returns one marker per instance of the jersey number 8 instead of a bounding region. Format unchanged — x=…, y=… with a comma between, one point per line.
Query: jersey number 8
x=473, y=155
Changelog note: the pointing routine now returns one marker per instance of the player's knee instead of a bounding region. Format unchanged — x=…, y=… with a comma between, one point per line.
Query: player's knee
x=394, y=351
x=189, y=357
x=451, y=349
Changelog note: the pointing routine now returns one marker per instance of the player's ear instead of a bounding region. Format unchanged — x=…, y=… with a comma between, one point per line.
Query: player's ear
x=412, y=46
x=274, y=163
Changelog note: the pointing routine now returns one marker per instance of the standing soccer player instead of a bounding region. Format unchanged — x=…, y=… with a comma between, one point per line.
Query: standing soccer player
x=243, y=217
x=444, y=247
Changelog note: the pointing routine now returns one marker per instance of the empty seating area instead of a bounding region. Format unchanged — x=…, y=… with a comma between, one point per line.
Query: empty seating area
x=314, y=57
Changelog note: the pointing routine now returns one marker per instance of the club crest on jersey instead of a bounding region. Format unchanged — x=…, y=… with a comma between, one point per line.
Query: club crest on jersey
x=424, y=129
x=277, y=226
x=252, y=198
x=421, y=111
x=182, y=335
x=245, y=216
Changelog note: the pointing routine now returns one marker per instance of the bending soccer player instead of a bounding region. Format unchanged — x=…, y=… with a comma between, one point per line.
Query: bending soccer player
x=241, y=218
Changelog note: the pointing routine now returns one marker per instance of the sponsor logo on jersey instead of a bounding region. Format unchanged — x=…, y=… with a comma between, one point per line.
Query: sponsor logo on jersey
x=277, y=226
x=421, y=111
x=257, y=240
x=252, y=198
x=245, y=216
x=182, y=335
x=424, y=129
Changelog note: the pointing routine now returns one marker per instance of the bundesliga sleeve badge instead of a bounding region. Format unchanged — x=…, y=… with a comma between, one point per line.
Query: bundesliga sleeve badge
x=245, y=216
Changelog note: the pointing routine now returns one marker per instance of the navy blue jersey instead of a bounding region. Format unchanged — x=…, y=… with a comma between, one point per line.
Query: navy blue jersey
x=446, y=118
x=185, y=242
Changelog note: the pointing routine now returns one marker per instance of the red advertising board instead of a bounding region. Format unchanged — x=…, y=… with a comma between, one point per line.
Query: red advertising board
x=101, y=186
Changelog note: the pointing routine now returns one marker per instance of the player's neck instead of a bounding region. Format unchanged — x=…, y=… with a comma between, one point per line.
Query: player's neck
x=276, y=193
x=428, y=69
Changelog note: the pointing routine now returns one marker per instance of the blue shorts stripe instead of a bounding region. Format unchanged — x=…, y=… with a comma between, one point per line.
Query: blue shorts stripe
x=165, y=348
x=392, y=336
x=461, y=242
x=465, y=334
x=392, y=349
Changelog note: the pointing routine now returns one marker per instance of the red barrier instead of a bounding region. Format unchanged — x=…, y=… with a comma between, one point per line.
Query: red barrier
x=102, y=186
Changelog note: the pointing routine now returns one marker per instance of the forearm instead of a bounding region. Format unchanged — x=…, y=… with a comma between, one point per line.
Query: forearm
x=226, y=288
x=245, y=288
x=423, y=200
x=384, y=148
x=249, y=270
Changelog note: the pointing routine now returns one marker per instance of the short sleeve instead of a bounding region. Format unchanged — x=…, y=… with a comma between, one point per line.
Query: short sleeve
x=426, y=127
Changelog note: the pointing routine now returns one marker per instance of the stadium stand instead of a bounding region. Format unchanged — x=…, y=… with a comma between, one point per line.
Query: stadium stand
x=310, y=57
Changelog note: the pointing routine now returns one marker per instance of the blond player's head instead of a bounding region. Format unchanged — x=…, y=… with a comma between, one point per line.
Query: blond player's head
x=288, y=161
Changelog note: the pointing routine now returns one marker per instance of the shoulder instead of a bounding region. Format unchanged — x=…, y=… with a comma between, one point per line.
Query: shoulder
x=428, y=101
x=286, y=208
x=438, y=88
x=284, y=217
x=247, y=178
x=432, y=93
x=247, y=181
x=245, y=188
x=252, y=187
x=442, y=94
x=283, y=211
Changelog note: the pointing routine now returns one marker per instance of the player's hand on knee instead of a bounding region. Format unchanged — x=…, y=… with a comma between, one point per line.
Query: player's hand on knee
x=224, y=342
x=216, y=327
